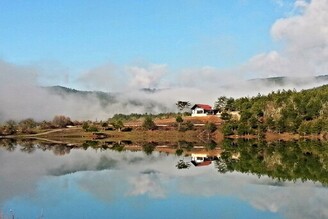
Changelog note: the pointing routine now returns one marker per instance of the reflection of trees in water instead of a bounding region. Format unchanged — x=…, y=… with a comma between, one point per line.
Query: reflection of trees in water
x=210, y=145
x=182, y=146
x=8, y=144
x=27, y=146
x=179, y=152
x=182, y=164
x=304, y=160
x=61, y=149
x=118, y=147
x=30, y=145
x=149, y=147
x=90, y=143
x=221, y=165
x=185, y=145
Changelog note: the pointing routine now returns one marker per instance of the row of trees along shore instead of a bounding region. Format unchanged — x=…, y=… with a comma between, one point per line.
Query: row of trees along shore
x=304, y=113
x=117, y=122
x=30, y=126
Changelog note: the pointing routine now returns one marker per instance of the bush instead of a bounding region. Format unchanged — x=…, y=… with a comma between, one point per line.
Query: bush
x=117, y=124
x=149, y=124
x=227, y=129
x=92, y=129
x=61, y=121
x=179, y=152
x=186, y=126
x=85, y=126
x=210, y=127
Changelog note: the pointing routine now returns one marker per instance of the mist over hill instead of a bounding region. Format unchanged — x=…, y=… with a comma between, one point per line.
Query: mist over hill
x=28, y=100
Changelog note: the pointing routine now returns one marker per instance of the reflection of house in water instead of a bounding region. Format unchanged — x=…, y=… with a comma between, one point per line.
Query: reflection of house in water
x=199, y=160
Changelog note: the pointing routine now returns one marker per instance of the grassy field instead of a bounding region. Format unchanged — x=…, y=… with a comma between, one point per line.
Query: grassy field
x=166, y=131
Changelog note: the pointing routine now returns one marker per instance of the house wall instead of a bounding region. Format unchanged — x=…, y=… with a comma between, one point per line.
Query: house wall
x=198, y=112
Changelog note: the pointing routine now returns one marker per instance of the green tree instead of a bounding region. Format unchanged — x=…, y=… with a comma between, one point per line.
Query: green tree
x=242, y=129
x=117, y=124
x=179, y=152
x=210, y=127
x=182, y=105
x=148, y=148
x=221, y=165
x=149, y=124
x=10, y=128
x=228, y=129
x=210, y=145
x=221, y=103
x=85, y=126
x=179, y=120
x=27, y=125
x=182, y=164
x=225, y=116
x=104, y=125
x=61, y=121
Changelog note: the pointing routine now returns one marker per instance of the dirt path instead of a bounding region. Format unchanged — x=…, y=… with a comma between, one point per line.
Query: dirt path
x=37, y=134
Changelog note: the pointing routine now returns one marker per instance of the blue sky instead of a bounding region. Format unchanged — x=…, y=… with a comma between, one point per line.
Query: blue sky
x=80, y=35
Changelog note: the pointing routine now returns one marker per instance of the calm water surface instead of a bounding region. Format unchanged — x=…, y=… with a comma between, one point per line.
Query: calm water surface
x=92, y=183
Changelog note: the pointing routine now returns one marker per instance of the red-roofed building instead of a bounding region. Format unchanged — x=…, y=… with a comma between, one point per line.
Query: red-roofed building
x=201, y=110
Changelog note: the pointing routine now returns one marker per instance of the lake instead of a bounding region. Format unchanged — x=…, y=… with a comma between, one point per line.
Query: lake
x=247, y=180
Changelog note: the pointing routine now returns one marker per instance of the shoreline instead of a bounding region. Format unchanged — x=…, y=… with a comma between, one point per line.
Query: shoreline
x=155, y=135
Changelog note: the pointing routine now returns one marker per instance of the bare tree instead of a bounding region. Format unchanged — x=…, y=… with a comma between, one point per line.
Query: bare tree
x=182, y=105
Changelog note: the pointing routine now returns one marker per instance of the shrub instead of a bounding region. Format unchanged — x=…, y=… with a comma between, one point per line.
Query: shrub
x=210, y=127
x=149, y=124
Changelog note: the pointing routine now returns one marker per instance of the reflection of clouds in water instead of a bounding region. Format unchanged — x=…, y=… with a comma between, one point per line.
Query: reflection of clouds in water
x=293, y=200
x=133, y=174
x=106, y=185
x=150, y=184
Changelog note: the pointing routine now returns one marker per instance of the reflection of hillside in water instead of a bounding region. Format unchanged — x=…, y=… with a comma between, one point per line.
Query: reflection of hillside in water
x=30, y=145
x=285, y=161
x=179, y=148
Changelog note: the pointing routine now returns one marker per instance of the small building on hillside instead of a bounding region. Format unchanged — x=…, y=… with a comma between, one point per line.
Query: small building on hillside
x=201, y=110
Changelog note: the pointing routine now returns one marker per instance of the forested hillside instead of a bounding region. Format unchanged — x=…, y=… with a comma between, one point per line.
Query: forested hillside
x=304, y=112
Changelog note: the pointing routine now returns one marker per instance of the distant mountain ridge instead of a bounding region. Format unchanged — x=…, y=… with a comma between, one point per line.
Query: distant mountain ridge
x=280, y=81
x=114, y=102
x=274, y=81
x=107, y=98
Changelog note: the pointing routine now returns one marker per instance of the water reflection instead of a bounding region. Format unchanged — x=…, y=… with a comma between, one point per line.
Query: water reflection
x=124, y=183
x=285, y=161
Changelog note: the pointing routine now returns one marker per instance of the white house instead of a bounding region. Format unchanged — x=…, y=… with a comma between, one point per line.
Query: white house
x=201, y=110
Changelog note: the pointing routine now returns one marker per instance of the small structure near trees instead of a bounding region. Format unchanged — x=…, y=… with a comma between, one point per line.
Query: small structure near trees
x=202, y=110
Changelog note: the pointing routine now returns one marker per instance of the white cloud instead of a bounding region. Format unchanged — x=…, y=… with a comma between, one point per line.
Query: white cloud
x=304, y=37
x=146, y=77
x=105, y=78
